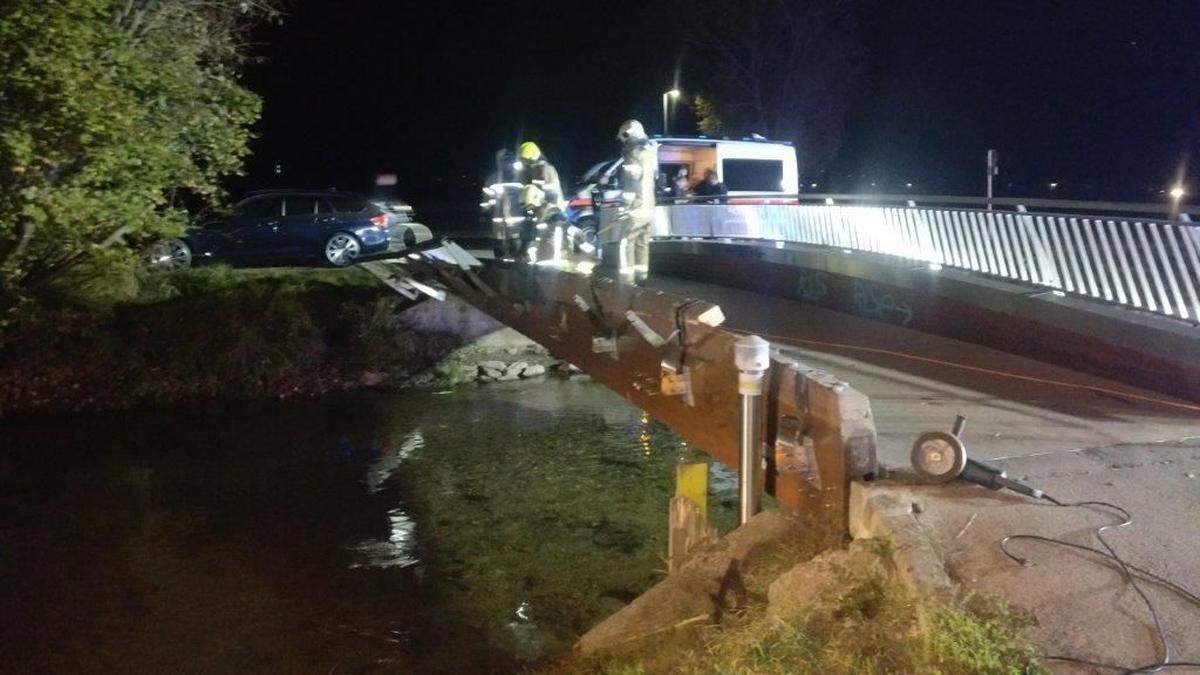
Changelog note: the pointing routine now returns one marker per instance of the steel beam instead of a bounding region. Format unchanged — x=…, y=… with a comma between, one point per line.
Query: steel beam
x=669, y=356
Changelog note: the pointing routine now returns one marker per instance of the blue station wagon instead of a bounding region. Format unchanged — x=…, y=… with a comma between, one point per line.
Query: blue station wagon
x=331, y=227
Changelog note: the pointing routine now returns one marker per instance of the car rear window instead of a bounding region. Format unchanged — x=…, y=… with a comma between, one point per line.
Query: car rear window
x=348, y=204
x=753, y=175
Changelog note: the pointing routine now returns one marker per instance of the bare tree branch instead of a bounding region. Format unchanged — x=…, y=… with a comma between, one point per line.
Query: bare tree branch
x=777, y=67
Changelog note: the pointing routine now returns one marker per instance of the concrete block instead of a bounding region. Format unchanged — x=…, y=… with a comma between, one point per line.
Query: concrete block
x=881, y=510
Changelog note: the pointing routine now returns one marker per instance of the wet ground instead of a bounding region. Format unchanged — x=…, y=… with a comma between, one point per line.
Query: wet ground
x=479, y=530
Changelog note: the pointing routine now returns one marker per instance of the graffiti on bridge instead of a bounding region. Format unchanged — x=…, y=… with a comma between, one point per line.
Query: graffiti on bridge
x=877, y=302
x=812, y=285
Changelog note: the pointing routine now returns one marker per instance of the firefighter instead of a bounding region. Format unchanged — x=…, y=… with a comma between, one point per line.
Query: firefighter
x=541, y=195
x=637, y=197
x=502, y=205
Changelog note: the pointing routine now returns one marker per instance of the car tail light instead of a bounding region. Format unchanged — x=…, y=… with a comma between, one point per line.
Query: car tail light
x=580, y=202
x=379, y=221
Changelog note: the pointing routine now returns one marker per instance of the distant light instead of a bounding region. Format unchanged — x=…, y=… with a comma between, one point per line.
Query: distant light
x=813, y=185
x=518, y=166
x=674, y=93
x=908, y=185
x=935, y=267
x=847, y=251
x=872, y=185
x=829, y=201
x=1177, y=192
x=1053, y=186
x=1058, y=293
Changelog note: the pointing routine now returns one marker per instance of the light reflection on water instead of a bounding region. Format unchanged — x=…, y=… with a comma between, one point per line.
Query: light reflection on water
x=474, y=531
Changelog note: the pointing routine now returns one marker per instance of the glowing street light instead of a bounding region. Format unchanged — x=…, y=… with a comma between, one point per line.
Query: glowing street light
x=1177, y=192
x=1053, y=186
x=669, y=95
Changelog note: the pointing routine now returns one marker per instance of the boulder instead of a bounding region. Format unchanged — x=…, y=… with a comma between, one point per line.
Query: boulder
x=516, y=368
x=825, y=578
x=492, y=365
x=689, y=595
x=533, y=370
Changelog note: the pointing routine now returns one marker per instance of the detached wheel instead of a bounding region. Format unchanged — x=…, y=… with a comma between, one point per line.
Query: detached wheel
x=342, y=249
x=169, y=255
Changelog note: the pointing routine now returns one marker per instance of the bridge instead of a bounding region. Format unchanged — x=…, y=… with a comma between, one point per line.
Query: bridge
x=1057, y=328
x=1073, y=322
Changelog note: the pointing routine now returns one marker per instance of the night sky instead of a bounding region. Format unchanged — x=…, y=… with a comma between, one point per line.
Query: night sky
x=1100, y=96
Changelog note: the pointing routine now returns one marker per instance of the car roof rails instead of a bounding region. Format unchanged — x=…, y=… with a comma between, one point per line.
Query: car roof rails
x=290, y=191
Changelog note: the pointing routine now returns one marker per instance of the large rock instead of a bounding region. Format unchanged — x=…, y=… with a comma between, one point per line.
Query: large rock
x=688, y=596
x=826, y=577
x=533, y=370
x=493, y=365
x=516, y=368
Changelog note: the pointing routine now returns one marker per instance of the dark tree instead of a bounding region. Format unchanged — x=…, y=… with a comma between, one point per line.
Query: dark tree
x=781, y=68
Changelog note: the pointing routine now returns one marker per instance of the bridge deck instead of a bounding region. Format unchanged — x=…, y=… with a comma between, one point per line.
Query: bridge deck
x=1008, y=417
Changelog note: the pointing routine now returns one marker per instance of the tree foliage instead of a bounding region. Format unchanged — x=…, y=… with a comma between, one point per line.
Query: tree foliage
x=113, y=114
x=781, y=68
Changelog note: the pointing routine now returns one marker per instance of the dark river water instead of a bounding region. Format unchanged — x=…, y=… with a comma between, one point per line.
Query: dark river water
x=478, y=530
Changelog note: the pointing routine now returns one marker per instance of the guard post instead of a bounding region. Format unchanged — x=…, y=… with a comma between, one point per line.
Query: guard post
x=752, y=355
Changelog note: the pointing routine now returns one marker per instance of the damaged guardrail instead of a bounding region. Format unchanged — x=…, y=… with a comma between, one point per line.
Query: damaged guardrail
x=673, y=358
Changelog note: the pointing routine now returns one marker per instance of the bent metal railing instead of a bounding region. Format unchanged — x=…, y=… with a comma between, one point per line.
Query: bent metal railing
x=1106, y=251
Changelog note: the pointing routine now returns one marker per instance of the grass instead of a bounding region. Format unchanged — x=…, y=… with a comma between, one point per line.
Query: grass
x=213, y=332
x=868, y=624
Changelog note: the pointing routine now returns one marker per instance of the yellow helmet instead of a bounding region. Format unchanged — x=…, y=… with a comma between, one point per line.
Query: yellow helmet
x=530, y=152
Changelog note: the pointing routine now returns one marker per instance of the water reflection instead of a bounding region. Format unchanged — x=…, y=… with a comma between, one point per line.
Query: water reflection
x=475, y=531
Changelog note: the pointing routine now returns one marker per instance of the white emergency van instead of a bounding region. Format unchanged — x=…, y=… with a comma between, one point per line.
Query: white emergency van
x=752, y=169
x=750, y=166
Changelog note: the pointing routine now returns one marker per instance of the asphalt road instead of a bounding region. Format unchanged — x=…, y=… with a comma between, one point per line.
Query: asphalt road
x=910, y=393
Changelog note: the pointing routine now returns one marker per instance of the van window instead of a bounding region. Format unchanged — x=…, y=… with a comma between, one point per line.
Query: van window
x=753, y=175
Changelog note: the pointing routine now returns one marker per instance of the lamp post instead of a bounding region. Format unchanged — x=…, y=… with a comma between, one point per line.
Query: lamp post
x=666, y=98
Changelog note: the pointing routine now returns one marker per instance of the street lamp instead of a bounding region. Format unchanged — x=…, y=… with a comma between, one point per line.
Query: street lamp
x=1177, y=194
x=666, y=97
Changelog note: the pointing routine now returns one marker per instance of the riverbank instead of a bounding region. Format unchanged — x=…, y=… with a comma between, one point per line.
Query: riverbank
x=217, y=332
x=774, y=596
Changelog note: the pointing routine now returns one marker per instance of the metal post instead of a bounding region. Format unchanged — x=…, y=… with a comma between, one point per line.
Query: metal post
x=993, y=168
x=752, y=355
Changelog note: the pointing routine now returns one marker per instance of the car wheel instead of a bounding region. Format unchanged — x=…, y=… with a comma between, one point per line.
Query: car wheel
x=409, y=238
x=169, y=255
x=342, y=249
x=588, y=226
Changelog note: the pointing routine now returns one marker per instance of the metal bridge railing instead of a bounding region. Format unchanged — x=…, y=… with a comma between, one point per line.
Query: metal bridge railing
x=1145, y=263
